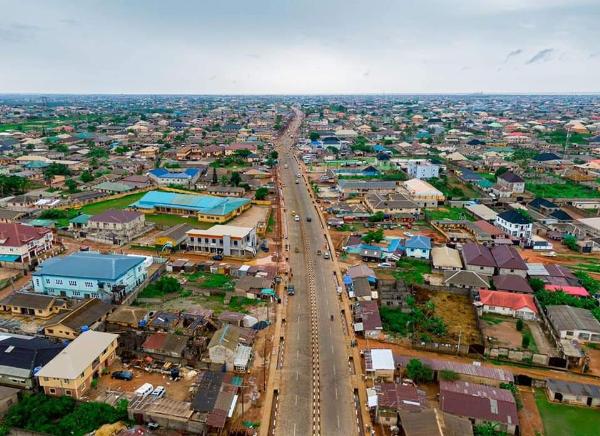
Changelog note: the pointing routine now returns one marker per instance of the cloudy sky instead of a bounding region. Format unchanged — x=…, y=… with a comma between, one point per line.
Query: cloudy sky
x=299, y=46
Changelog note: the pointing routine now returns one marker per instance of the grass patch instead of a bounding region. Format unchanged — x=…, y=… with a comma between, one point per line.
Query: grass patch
x=564, y=420
x=561, y=190
x=411, y=270
x=115, y=203
x=167, y=220
x=448, y=213
x=270, y=223
x=492, y=320
x=532, y=345
x=211, y=281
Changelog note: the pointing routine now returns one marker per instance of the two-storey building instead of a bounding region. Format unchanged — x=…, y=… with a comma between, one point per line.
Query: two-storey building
x=22, y=245
x=223, y=239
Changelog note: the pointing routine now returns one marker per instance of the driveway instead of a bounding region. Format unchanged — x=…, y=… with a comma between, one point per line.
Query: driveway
x=542, y=342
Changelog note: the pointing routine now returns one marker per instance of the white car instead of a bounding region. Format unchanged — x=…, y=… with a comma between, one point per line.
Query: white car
x=158, y=392
x=297, y=218
x=384, y=265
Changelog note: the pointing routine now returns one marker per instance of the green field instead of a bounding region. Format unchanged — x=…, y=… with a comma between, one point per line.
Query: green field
x=561, y=190
x=411, y=270
x=116, y=203
x=448, y=213
x=563, y=420
x=163, y=219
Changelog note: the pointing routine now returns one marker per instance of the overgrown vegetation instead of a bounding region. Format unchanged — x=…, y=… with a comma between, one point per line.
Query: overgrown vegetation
x=13, y=185
x=373, y=236
x=417, y=371
x=60, y=415
x=411, y=271
x=161, y=287
x=568, y=189
x=419, y=320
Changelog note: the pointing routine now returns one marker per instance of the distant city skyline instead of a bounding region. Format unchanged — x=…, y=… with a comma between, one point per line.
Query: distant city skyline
x=300, y=47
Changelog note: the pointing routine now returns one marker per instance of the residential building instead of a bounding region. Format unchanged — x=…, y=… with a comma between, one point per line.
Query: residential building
x=580, y=394
x=478, y=258
x=418, y=247
x=109, y=277
x=508, y=260
x=574, y=323
x=115, y=226
x=165, y=177
x=21, y=355
x=360, y=187
x=36, y=305
x=380, y=363
x=223, y=239
x=223, y=346
x=434, y=422
x=395, y=204
x=367, y=319
x=466, y=279
x=512, y=283
x=446, y=259
x=206, y=208
x=508, y=304
x=512, y=182
x=423, y=170
x=72, y=371
x=422, y=193
x=515, y=224
x=22, y=245
x=174, y=236
x=8, y=397
x=86, y=315
x=393, y=397
x=480, y=403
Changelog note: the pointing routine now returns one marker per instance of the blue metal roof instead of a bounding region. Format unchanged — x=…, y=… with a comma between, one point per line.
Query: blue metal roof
x=197, y=203
x=188, y=173
x=422, y=242
x=89, y=265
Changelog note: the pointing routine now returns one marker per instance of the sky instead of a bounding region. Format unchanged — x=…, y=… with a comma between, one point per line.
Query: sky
x=299, y=46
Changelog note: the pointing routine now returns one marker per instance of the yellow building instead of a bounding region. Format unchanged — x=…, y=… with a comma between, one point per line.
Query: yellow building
x=72, y=371
x=36, y=305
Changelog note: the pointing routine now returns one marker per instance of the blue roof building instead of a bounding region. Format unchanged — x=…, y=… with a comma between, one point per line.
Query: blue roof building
x=163, y=176
x=418, y=247
x=207, y=208
x=109, y=277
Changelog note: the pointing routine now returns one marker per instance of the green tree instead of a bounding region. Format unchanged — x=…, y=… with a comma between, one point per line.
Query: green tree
x=71, y=185
x=86, y=176
x=377, y=217
x=525, y=341
x=261, y=193
x=373, y=236
x=235, y=178
x=520, y=324
x=243, y=153
x=537, y=284
x=418, y=372
x=274, y=155
x=98, y=153
x=56, y=169
x=500, y=171
x=571, y=242
x=449, y=375
x=314, y=136
x=488, y=429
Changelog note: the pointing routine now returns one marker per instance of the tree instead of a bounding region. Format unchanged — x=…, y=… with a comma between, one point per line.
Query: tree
x=314, y=136
x=537, y=284
x=274, y=155
x=98, y=153
x=377, y=217
x=488, y=429
x=525, y=341
x=71, y=185
x=571, y=242
x=223, y=180
x=235, y=178
x=418, y=372
x=56, y=169
x=520, y=324
x=500, y=171
x=243, y=153
x=261, y=193
x=373, y=236
x=86, y=176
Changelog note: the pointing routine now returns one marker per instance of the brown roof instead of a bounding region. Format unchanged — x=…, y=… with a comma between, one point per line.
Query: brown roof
x=87, y=313
x=127, y=315
x=513, y=283
x=33, y=301
x=368, y=312
x=16, y=235
x=508, y=257
x=116, y=216
x=400, y=396
x=479, y=255
x=488, y=228
x=433, y=422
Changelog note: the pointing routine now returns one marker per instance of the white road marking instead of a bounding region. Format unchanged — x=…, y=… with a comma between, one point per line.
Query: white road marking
x=297, y=400
x=338, y=421
x=336, y=393
x=296, y=375
x=294, y=429
x=333, y=370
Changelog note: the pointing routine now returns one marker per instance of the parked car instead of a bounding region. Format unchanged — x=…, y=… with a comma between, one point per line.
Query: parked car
x=144, y=390
x=153, y=426
x=384, y=265
x=326, y=255
x=217, y=257
x=308, y=219
x=122, y=375
x=318, y=252
x=291, y=290
x=297, y=218
x=158, y=392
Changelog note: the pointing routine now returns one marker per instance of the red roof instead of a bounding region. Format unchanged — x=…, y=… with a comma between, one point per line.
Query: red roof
x=16, y=235
x=577, y=291
x=510, y=300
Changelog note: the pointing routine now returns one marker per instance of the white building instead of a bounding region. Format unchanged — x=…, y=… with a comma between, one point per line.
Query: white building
x=223, y=239
x=423, y=170
x=574, y=323
x=515, y=224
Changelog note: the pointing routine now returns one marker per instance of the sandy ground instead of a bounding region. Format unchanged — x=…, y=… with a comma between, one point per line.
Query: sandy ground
x=529, y=416
x=251, y=217
x=594, y=361
x=505, y=333
x=543, y=343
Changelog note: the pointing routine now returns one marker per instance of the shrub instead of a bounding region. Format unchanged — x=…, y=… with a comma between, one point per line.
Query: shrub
x=419, y=372
x=449, y=375
x=525, y=341
x=519, y=324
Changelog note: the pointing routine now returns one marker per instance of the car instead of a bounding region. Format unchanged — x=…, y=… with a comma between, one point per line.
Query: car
x=158, y=392
x=291, y=290
x=153, y=426
x=297, y=181
x=318, y=252
x=308, y=219
x=122, y=375
x=549, y=254
x=297, y=218
x=326, y=255
x=384, y=265
x=217, y=257
x=298, y=175
x=409, y=234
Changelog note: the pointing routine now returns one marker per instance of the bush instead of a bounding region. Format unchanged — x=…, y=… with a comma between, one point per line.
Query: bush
x=419, y=372
x=571, y=242
x=449, y=375
x=261, y=193
x=519, y=324
x=525, y=341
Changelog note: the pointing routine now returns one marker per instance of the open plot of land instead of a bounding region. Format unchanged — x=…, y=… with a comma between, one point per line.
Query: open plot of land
x=251, y=217
x=529, y=417
x=564, y=420
x=457, y=313
x=501, y=331
x=449, y=213
x=115, y=203
x=561, y=190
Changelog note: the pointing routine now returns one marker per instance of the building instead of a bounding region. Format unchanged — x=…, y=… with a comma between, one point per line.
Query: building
x=8, y=397
x=173, y=237
x=423, y=193
x=115, y=226
x=88, y=314
x=574, y=323
x=478, y=258
x=72, y=371
x=480, y=403
x=508, y=304
x=580, y=394
x=36, y=305
x=24, y=245
x=206, y=208
x=223, y=239
x=514, y=224
x=165, y=177
x=446, y=259
x=223, y=346
x=21, y=355
x=367, y=319
x=109, y=277
x=418, y=247
x=395, y=204
x=511, y=182
x=393, y=397
x=423, y=170
x=360, y=187
x=433, y=422
x=508, y=260
x=379, y=363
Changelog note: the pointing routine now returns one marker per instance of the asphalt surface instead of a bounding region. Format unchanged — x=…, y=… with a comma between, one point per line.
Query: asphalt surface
x=316, y=395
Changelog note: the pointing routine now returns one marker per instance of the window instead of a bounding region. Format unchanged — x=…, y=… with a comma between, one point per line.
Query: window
x=569, y=333
x=59, y=282
x=72, y=283
x=48, y=281
x=52, y=390
x=67, y=392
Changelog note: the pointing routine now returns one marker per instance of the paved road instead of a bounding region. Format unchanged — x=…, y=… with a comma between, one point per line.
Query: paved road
x=316, y=395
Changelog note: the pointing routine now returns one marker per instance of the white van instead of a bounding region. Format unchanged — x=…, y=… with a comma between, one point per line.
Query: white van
x=144, y=390
x=158, y=392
